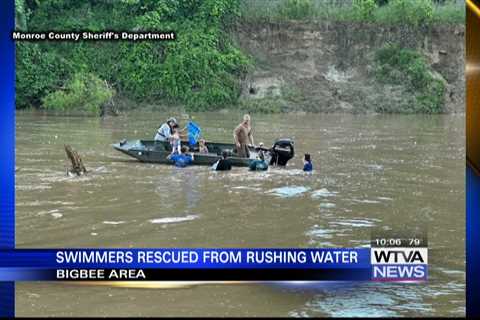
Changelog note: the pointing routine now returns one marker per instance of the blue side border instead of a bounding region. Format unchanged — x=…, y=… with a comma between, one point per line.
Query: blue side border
x=7, y=140
x=472, y=243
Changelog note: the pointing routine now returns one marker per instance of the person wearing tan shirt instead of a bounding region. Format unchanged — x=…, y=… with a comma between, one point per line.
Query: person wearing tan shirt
x=242, y=136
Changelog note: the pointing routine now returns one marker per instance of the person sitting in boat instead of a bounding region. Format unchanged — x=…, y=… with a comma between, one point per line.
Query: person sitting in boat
x=182, y=159
x=242, y=136
x=307, y=163
x=202, y=147
x=223, y=164
x=259, y=164
x=165, y=132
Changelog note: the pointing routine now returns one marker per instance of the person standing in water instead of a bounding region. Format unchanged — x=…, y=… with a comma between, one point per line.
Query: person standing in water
x=259, y=164
x=242, y=136
x=307, y=163
x=223, y=164
x=182, y=159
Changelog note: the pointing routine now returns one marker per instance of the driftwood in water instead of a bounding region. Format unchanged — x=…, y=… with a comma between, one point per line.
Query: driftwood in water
x=77, y=165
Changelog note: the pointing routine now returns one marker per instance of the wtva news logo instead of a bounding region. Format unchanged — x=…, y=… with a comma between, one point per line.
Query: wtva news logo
x=399, y=264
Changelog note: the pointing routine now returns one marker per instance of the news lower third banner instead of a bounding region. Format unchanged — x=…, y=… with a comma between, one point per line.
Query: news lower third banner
x=254, y=264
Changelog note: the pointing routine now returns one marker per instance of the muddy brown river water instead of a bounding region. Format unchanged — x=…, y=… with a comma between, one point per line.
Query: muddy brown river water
x=371, y=171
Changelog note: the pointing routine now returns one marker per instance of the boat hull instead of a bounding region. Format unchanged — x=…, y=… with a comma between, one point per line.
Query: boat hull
x=157, y=152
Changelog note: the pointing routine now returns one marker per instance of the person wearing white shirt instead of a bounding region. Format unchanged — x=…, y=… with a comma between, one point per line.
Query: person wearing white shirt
x=165, y=132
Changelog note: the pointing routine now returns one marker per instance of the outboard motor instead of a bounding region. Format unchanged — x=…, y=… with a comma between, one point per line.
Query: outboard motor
x=281, y=152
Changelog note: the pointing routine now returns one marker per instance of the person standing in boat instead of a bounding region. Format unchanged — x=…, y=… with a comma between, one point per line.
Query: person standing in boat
x=175, y=141
x=165, y=132
x=242, y=136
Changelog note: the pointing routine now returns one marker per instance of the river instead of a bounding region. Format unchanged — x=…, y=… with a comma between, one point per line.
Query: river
x=371, y=171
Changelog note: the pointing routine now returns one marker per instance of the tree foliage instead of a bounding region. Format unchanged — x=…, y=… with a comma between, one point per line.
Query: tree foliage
x=83, y=92
x=411, y=12
x=202, y=69
x=296, y=9
x=400, y=66
x=365, y=9
x=39, y=72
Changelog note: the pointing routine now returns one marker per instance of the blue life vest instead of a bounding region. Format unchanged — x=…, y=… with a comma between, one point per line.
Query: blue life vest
x=181, y=160
x=308, y=166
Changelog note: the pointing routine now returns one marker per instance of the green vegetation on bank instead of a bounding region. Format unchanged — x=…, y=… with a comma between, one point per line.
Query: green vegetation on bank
x=203, y=69
x=397, y=66
x=84, y=92
x=388, y=12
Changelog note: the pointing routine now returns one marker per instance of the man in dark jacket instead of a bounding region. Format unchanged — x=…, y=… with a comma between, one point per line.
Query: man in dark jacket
x=223, y=164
